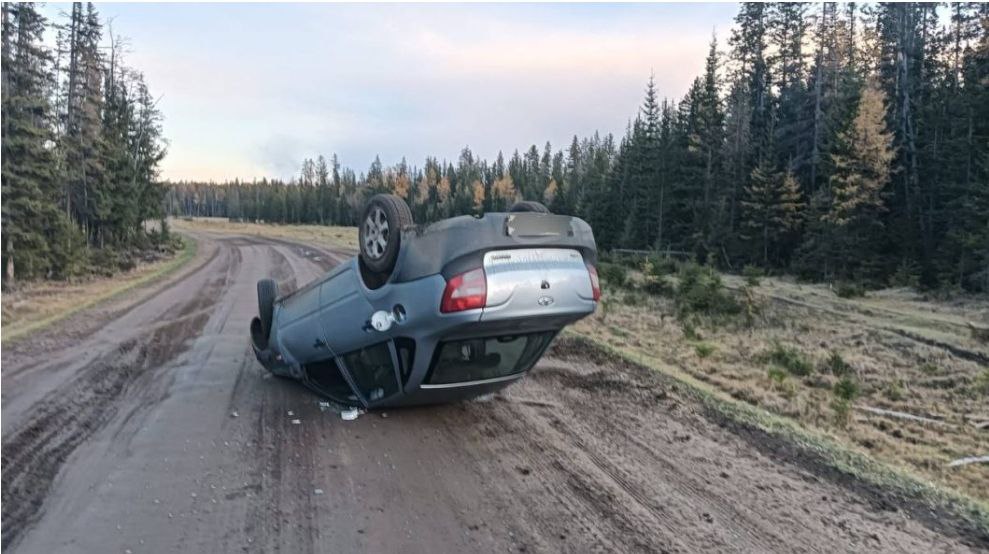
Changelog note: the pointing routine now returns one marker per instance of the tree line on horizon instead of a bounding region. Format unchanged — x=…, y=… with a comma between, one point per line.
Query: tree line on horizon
x=832, y=141
x=81, y=141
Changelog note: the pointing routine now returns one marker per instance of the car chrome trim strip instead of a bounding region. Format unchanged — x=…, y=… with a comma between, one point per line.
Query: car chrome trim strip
x=474, y=383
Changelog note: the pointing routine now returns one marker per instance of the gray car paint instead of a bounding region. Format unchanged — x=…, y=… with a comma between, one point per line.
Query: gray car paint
x=537, y=281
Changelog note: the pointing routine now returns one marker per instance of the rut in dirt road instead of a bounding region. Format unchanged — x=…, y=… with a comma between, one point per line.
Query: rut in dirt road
x=194, y=447
x=68, y=415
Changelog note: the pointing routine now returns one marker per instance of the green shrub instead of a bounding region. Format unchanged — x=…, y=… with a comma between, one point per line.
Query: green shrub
x=659, y=266
x=842, y=411
x=895, y=391
x=907, y=274
x=929, y=368
x=846, y=389
x=689, y=330
x=704, y=349
x=980, y=334
x=981, y=384
x=776, y=375
x=790, y=359
x=849, y=290
x=633, y=298
x=752, y=274
x=613, y=274
x=837, y=365
x=701, y=291
x=658, y=286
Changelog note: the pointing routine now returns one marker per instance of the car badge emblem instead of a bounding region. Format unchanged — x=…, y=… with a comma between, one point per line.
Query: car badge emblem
x=545, y=300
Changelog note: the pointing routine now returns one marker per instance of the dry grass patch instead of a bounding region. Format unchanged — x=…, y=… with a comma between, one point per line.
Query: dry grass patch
x=824, y=362
x=34, y=306
x=316, y=235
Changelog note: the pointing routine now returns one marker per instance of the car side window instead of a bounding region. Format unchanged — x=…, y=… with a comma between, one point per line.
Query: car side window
x=326, y=376
x=373, y=371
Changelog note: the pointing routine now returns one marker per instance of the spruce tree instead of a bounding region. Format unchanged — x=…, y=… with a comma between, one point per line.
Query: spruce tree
x=31, y=219
x=646, y=187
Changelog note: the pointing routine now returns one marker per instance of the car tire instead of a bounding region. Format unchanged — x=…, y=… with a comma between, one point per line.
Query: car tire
x=267, y=292
x=385, y=218
x=529, y=206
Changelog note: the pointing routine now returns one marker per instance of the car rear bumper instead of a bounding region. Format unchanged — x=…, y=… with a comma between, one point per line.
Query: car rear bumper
x=443, y=394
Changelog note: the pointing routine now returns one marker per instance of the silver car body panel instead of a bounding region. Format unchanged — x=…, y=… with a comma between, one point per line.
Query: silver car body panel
x=530, y=282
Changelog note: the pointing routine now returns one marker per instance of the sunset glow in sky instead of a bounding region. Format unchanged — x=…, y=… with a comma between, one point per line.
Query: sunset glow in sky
x=250, y=90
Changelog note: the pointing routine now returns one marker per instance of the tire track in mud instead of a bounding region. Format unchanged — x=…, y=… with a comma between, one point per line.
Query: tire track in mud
x=279, y=462
x=585, y=455
x=68, y=415
x=852, y=511
x=589, y=454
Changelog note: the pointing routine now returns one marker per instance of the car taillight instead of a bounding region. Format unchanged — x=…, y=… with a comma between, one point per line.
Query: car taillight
x=595, y=283
x=466, y=291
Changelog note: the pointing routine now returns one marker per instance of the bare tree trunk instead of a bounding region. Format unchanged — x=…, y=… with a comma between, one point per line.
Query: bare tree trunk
x=70, y=96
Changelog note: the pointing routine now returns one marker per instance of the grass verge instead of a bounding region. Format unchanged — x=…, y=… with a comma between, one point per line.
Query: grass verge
x=57, y=306
x=815, y=445
x=315, y=235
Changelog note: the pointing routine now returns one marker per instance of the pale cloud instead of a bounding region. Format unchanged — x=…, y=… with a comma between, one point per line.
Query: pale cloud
x=252, y=90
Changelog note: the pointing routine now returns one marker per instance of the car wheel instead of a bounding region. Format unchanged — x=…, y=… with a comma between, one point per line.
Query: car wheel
x=529, y=206
x=267, y=291
x=380, y=233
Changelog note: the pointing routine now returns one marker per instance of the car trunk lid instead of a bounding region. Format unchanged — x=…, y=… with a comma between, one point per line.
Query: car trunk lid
x=526, y=282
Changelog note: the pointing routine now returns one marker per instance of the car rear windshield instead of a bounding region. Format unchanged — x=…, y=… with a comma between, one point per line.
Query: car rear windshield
x=468, y=360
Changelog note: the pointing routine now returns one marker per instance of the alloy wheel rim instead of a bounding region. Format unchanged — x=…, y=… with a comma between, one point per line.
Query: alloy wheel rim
x=375, y=233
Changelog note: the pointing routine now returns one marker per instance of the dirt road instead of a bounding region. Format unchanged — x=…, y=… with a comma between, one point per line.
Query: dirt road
x=151, y=428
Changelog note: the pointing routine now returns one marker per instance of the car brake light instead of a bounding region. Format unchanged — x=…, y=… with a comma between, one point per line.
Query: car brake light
x=595, y=283
x=466, y=291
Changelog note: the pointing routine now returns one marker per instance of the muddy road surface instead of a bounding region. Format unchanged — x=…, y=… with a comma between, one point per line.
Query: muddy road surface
x=149, y=427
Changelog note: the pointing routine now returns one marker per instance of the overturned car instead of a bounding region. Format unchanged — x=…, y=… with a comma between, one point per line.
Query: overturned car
x=457, y=309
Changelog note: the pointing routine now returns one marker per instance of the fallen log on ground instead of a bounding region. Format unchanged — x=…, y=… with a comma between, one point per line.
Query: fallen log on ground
x=969, y=460
x=901, y=415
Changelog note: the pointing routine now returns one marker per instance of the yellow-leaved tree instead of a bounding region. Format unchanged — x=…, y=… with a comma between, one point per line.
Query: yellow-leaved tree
x=862, y=165
x=856, y=198
x=477, y=195
x=503, y=193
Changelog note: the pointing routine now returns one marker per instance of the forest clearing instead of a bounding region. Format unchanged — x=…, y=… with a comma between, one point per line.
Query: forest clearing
x=174, y=433
x=782, y=273
x=894, y=374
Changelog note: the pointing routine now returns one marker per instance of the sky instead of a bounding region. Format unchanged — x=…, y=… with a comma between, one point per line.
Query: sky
x=250, y=90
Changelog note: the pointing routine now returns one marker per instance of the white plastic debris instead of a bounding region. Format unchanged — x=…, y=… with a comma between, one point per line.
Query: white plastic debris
x=350, y=414
x=291, y=413
x=317, y=491
x=296, y=422
x=233, y=414
x=324, y=405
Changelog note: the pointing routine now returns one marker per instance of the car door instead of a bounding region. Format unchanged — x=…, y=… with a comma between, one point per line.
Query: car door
x=299, y=327
x=344, y=311
x=374, y=371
